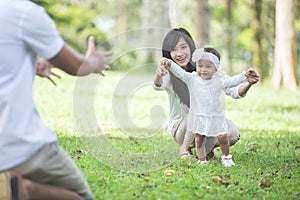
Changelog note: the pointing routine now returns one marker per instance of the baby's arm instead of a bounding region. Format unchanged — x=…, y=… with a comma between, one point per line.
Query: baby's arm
x=234, y=80
x=241, y=90
x=176, y=69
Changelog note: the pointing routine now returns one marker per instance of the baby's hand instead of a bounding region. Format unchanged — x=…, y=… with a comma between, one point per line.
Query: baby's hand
x=166, y=62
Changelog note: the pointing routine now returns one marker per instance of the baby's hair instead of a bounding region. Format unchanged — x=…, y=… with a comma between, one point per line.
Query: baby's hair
x=213, y=51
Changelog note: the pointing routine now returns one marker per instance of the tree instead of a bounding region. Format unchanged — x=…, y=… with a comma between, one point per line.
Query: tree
x=258, y=49
x=122, y=21
x=75, y=21
x=229, y=34
x=297, y=30
x=202, y=22
x=284, y=55
x=155, y=16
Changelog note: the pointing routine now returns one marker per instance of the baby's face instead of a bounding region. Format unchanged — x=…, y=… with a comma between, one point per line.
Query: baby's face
x=206, y=69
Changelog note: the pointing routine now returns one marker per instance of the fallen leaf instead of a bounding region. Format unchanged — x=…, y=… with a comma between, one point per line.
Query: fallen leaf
x=188, y=164
x=81, y=151
x=151, y=185
x=206, y=187
x=275, y=172
x=217, y=179
x=122, y=154
x=163, y=163
x=76, y=157
x=265, y=183
x=253, y=147
x=143, y=175
x=169, y=172
x=236, y=183
x=284, y=169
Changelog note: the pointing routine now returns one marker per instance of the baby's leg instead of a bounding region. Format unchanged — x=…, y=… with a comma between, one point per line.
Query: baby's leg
x=200, y=147
x=224, y=144
x=233, y=135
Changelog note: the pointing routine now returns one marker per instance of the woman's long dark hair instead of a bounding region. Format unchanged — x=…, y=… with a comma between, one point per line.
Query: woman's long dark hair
x=169, y=43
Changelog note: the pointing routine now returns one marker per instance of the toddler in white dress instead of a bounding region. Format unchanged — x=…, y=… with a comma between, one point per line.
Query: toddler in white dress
x=206, y=117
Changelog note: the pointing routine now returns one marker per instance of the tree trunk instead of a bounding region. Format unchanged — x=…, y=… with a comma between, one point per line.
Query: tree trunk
x=155, y=17
x=297, y=42
x=202, y=18
x=258, y=49
x=284, y=63
x=229, y=36
x=122, y=21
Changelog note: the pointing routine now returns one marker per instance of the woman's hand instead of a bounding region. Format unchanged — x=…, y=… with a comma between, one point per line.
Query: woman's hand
x=161, y=70
x=252, y=76
x=43, y=69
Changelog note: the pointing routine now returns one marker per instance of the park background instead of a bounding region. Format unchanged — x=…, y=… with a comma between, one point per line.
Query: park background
x=246, y=32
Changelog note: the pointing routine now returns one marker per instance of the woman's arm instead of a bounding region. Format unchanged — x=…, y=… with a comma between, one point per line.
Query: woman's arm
x=158, y=77
x=252, y=78
x=243, y=89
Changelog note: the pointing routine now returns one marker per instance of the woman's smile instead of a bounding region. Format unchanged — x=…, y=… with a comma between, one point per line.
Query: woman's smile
x=181, y=53
x=182, y=61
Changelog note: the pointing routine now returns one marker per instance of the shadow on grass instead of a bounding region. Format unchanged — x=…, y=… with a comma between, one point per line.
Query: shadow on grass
x=140, y=155
x=128, y=154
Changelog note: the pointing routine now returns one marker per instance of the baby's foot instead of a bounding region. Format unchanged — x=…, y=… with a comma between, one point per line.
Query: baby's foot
x=227, y=161
x=203, y=162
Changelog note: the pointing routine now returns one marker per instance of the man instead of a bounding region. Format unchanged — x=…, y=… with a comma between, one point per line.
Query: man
x=32, y=165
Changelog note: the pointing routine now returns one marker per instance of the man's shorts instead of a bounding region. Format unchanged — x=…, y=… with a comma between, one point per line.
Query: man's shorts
x=53, y=166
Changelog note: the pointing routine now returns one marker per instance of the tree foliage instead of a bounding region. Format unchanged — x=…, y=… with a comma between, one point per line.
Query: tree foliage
x=76, y=19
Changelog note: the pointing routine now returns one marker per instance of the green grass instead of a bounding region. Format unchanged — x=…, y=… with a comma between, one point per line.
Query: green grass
x=129, y=162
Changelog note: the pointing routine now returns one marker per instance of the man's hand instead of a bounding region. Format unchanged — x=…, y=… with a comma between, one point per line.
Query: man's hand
x=43, y=69
x=97, y=59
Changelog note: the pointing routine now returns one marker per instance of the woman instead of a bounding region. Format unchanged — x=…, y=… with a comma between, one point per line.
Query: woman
x=179, y=45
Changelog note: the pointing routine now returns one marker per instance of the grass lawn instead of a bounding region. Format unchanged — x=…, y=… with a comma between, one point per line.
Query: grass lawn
x=131, y=160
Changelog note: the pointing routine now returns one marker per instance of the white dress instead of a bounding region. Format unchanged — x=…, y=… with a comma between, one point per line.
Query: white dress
x=206, y=116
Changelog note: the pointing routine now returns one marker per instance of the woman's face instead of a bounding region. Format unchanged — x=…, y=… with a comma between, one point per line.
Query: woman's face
x=181, y=54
